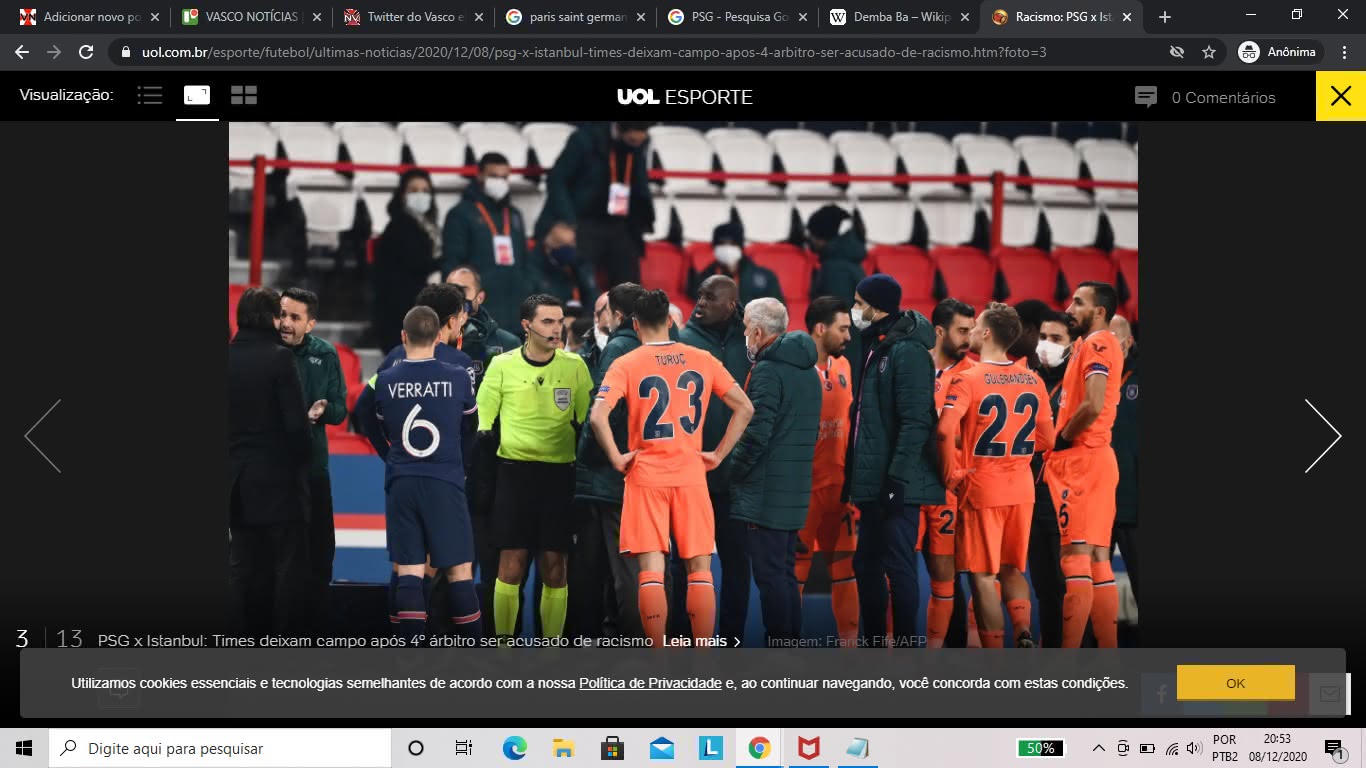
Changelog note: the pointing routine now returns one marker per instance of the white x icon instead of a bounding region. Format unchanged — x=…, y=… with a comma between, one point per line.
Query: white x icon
x=1342, y=13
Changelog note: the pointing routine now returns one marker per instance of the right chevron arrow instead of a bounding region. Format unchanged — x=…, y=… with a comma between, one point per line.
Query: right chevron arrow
x=1330, y=426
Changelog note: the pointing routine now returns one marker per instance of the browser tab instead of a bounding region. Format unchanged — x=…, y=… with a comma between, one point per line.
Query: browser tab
x=1093, y=18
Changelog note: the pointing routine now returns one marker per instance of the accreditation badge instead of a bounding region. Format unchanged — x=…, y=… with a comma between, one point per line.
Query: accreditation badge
x=503, y=254
x=618, y=199
x=563, y=397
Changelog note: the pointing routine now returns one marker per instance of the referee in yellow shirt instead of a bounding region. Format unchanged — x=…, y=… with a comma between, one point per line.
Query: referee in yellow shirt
x=540, y=394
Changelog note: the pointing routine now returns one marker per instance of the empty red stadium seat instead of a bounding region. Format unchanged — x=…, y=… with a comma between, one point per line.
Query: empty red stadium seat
x=1029, y=274
x=796, y=315
x=663, y=267
x=1127, y=260
x=968, y=274
x=234, y=295
x=699, y=255
x=351, y=374
x=791, y=264
x=1081, y=264
x=909, y=266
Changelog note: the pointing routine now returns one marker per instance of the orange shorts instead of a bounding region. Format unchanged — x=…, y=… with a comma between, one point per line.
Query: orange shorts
x=937, y=523
x=831, y=525
x=1082, y=482
x=649, y=515
x=991, y=537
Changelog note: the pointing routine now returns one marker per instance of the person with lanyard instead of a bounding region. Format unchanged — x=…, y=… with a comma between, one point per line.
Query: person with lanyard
x=539, y=394
x=486, y=231
x=598, y=200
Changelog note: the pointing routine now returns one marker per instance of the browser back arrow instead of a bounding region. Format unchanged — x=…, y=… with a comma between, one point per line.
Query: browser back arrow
x=20, y=51
x=55, y=51
x=1330, y=426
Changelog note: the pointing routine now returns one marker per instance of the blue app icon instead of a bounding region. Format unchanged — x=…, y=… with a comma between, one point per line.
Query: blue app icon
x=711, y=748
x=661, y=749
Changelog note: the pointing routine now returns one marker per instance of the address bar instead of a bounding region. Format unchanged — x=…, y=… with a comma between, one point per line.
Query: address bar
x=215, y=747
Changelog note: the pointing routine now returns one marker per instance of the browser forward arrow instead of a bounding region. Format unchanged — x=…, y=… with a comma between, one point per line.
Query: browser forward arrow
x=1330, y=426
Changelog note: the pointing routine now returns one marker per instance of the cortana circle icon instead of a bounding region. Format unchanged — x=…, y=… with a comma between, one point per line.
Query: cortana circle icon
x=514, y=747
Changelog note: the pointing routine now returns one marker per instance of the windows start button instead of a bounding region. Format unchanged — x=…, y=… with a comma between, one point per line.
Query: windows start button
x=1235, y=682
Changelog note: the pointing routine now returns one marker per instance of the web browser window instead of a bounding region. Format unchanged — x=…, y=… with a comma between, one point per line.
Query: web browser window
x=780, y=370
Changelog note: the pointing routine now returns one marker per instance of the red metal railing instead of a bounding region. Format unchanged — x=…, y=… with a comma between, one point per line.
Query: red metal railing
x=260, y=164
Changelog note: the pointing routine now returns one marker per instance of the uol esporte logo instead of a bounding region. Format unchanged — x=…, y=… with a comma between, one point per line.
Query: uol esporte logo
x=636, y=96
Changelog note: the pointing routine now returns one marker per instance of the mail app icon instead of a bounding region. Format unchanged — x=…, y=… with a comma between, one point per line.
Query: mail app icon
x=661, y=749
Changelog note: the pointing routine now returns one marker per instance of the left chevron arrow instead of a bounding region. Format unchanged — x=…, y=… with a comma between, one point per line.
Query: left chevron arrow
x=35, y=445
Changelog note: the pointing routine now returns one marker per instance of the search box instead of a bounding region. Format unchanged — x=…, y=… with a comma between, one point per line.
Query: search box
x=211, y=747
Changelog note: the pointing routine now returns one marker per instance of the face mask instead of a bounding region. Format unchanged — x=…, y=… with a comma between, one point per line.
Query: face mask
x=856, y=315
x=600, y=339
x=1051, y=353
x=496, y=187
x=751, y=352
x=419, y=202
x=563, y=256
x=728, y=255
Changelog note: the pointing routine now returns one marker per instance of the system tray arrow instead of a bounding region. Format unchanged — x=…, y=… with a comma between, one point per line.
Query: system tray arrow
x=1330, y=426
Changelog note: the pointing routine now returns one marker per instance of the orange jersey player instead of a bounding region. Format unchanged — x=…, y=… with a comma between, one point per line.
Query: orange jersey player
x=666, y=386
x=831, y=523
x=1000, y=415
x=1082, y=472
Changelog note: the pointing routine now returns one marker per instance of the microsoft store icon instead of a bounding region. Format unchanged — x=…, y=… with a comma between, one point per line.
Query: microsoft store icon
x=24, y=748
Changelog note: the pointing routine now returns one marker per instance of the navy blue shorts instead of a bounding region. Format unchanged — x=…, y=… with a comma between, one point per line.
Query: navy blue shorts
x=422, y=516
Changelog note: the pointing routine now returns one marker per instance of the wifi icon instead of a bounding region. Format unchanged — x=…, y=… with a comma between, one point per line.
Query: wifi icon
x=1173, y=749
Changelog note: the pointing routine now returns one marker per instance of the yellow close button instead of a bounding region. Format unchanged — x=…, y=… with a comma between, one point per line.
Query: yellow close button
x=1235, y=682
x=1340, y=96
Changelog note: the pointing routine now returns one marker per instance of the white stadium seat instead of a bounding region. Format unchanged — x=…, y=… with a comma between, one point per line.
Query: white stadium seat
x=1020, y=225
x=927, y=154
x=765, y=221
x=329, y=212
x=699, y=216
x=985, y=155
x=682, y=149
x=436, y=145
x=744, y=151
x=501, y=138
x=951, y=222
x=377, y=203
x=887, y=222
x=548, y=140
x=315, y=142
x=339, y=127
x=245, y=141
x=313, y=123
x=530, y=203
x=373, y=143
x=868, y=153
x=1113, y=161
x=1021, y=142
x=1124, y=222
x=803, y=151
x=1086, y=143
x=1072, y=226
x=1053, y=158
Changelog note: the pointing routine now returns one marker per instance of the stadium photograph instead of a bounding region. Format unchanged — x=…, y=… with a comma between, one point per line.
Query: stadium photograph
x=817, y=384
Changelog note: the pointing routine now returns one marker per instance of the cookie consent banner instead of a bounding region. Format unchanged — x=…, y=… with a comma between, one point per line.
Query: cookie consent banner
x=370, y=682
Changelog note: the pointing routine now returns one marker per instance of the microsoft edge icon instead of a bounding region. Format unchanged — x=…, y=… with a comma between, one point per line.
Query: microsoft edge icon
x=514, y=747
x=711, y=748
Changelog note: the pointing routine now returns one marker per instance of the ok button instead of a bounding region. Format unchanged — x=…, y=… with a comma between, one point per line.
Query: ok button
x=1235, y=682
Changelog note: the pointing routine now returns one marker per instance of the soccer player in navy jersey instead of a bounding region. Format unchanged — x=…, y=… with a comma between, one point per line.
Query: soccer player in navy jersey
x=423, y=404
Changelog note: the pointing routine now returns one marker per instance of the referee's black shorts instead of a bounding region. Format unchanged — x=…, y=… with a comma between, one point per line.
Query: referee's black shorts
x=533, y=506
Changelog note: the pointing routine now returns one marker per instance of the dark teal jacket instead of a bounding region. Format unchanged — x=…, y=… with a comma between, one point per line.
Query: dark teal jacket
x=466, y=239
x=894, y=414
x=483, y=340
x=754, y=281
x=595, y=480
x=576, y=187
x=841, y=267
x=320, y=373
x=726, y=344
x=1124, y=439
x=770, y=468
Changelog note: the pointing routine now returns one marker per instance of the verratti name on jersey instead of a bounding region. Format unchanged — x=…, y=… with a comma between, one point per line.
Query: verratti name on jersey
x=408, y=390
